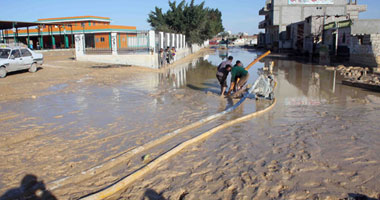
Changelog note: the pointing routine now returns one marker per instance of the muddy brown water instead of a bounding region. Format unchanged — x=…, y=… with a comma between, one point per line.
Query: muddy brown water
x=321, y=141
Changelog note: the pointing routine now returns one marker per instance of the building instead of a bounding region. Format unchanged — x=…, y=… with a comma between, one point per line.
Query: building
x=279, y=14
x=306, y=35
x=357, y=39
x=97, y=31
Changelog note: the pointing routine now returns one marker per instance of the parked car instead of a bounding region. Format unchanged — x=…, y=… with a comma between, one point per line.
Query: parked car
x=15, y=58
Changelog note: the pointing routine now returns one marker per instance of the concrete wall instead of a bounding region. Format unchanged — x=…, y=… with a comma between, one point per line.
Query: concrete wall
x=365, y=51
x=145, y=60
x=366, y=26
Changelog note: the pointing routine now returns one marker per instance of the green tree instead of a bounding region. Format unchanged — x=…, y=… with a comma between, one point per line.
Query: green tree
x=197, y=22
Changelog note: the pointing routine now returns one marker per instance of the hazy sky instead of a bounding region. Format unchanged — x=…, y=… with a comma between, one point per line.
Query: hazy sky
x=238, y=15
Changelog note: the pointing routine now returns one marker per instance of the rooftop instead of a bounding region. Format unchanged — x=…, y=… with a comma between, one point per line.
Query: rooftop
x=77, y=18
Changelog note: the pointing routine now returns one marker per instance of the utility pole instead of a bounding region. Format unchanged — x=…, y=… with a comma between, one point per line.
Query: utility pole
x=323, y=23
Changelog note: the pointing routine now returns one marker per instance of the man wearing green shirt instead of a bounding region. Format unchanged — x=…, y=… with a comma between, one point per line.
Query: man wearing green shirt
x=239, y=77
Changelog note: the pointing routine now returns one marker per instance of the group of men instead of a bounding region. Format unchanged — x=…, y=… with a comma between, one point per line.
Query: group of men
x=239, y=76
x=166, y=56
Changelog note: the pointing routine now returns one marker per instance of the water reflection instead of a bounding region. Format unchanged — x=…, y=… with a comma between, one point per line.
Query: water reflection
x=223, y=53
x=307, y=84
x=177, y=76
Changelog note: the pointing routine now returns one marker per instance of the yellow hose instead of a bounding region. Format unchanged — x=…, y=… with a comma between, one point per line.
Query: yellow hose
x=141, y=172
x=257, y=60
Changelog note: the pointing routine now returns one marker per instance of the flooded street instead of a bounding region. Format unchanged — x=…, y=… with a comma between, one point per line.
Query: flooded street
x=321, y=140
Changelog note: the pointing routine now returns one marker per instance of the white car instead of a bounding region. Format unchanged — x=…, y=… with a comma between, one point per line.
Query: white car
x=15, y=58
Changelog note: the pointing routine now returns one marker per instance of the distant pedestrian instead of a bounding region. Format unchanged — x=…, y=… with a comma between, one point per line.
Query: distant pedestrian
x=31, y=44
x=170, y=55
x=173, y=52
x=167, y=55
x=161, y=58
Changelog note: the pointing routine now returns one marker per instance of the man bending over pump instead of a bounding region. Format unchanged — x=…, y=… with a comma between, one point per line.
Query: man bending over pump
x=223, y=69
x=238, y=72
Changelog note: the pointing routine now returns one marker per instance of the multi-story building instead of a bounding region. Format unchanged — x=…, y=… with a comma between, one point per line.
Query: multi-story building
x=279, y=14
x=59, y=33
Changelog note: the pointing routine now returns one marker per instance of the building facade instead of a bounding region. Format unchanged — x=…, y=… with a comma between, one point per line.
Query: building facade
x=279, y=14
x=61, y=35
x=357, y=39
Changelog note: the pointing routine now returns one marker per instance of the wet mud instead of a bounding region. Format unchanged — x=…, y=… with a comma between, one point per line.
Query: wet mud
x=321, y=140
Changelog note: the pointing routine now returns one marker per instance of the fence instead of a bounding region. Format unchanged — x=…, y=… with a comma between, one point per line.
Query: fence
x=121, y=43
x=97, y=44
x=133, y=43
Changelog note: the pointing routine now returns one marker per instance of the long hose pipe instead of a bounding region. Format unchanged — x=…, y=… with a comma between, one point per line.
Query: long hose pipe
x=257, y=60
x=123, y=183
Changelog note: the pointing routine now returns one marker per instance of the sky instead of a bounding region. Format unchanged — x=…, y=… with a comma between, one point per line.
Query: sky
x=238, y=15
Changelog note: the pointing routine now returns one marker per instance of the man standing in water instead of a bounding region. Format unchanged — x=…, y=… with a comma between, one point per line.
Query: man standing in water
x=223, y=69
x=238, y=72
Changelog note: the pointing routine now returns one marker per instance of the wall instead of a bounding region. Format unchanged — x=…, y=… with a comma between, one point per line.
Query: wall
x=144, y=60
x=366, y=50
x=365, y=42
x=344, y=36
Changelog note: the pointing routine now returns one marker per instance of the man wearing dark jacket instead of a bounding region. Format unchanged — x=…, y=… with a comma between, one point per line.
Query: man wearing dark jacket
x=223, y=69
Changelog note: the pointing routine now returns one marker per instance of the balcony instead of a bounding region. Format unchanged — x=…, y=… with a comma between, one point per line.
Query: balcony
x=263, y=11
x=266, y=9
x=263, y=24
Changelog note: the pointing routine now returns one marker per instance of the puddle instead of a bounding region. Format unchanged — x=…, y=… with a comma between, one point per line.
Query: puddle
x=109, y=66
x=57, y=87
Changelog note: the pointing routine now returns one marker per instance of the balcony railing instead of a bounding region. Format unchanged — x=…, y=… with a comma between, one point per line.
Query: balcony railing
x=263, y=11
x=263, y=24
x=266, y=9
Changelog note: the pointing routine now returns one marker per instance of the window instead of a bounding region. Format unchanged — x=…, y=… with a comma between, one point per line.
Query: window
x=25, y=53
x=4, y=53
x=16, y=53
x=102, y=39
x=344, y=38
